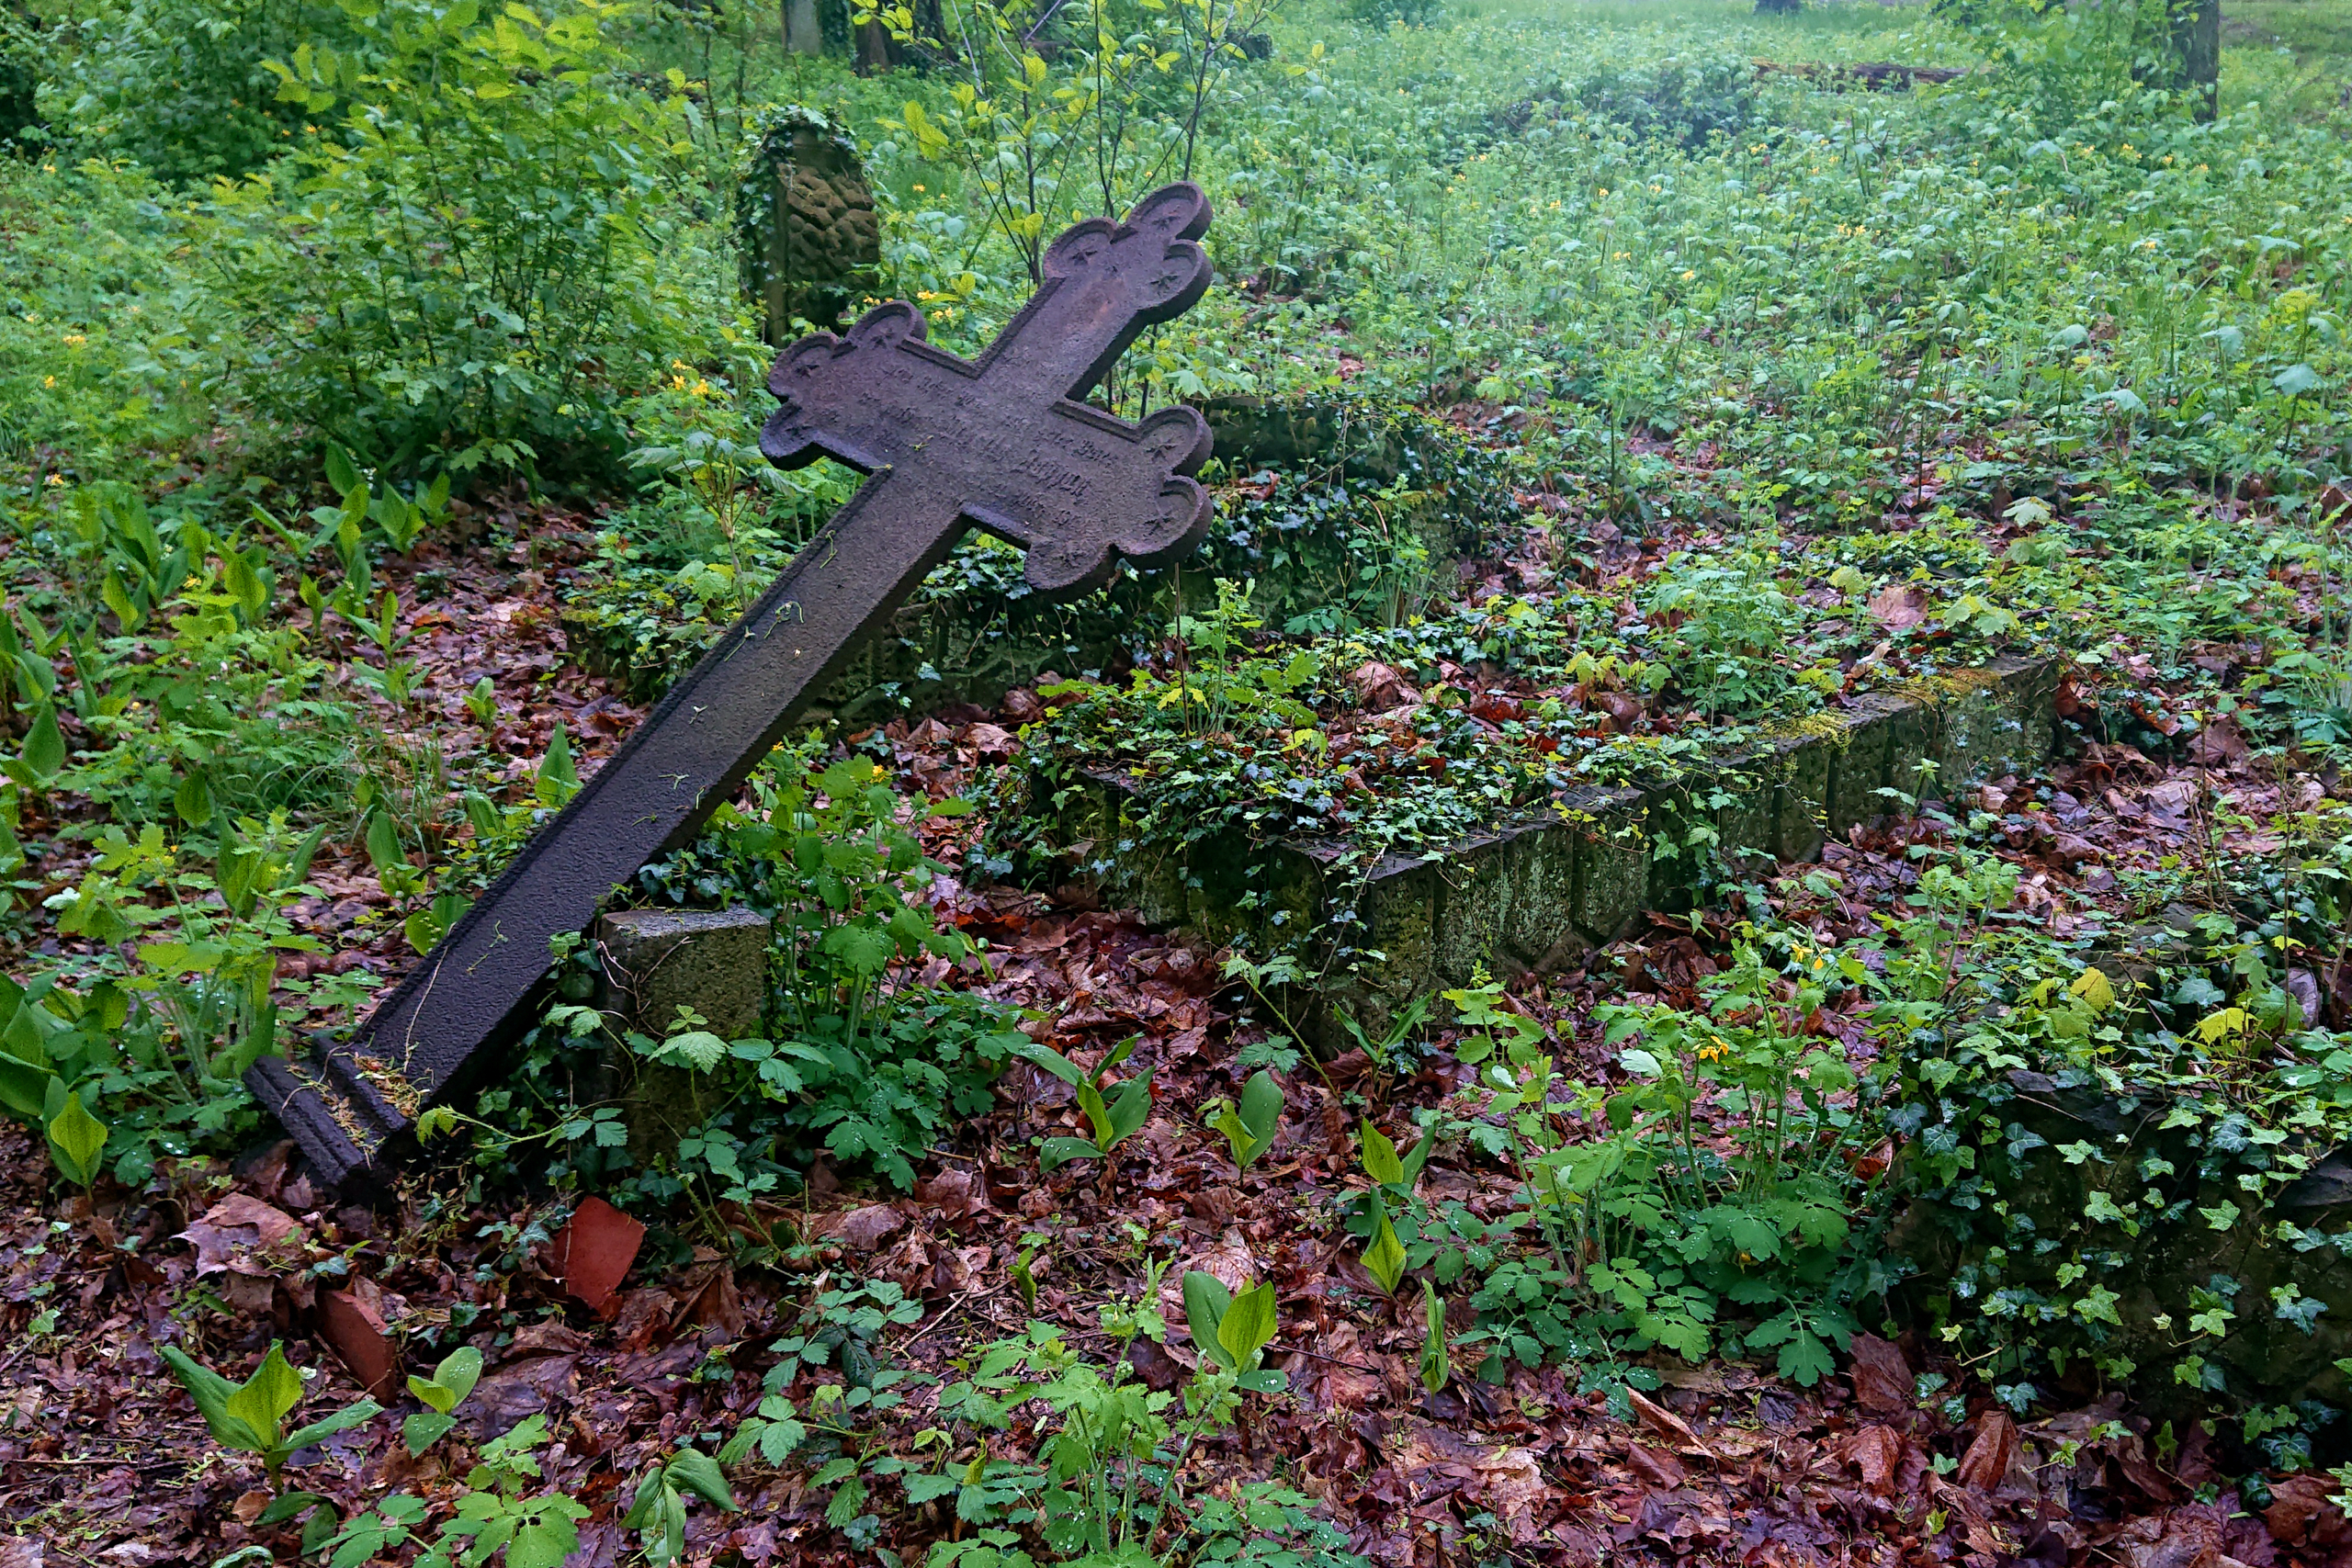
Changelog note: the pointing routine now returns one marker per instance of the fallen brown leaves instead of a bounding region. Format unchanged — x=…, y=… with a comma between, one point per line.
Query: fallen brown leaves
x=103, y=1462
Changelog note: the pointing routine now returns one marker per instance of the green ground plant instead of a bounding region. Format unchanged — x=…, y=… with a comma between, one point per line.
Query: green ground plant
x=499, y=1516
x=252, y=1415
x=855, y=1061
x=2037, y=346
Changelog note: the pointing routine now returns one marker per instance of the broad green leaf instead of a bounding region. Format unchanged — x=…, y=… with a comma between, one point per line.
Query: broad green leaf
x=1416, y=1157
x=76, y=1138
x=1262, y=1106
x=44, y=752
x=24, y=1087
x=1243, y=1144
x=1379, y=1161
x=1205, y=1303
x=274, y=1389
x=1385, y=1256
x=451, y=1381
x=1058, y=1152
x=421, y=930
x=212, y=1393
x=298, y=867
x=1436, y=1365
x=341, y=1421
x=556, y=782
x=1051, y=1060
x=383, y=842
x=25, y=1039
x=36, y=676
x=460, y=1371
x=1248, y=1324
x=1130, y=1110
x=646, y=1499
x=1098, y=1116
x=342, y=472
x=697, y=1472
x=290, y=1505
x=118, y=599
x=425, y=1428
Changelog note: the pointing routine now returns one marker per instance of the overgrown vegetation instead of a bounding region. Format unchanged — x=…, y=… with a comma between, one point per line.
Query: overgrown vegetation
x=1609, y=393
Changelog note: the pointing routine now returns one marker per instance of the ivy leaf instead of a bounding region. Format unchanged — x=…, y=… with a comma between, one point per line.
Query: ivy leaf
x=2196, y=991
x=2093, y=987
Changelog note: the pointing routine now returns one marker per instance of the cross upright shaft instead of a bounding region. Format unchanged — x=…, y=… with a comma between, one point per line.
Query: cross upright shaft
x=999, y=443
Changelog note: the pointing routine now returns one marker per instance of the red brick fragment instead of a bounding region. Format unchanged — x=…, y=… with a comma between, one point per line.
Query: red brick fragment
x=593, y=1251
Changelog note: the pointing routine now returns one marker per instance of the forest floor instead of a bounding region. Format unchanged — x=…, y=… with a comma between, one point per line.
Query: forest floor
x=102, y=1460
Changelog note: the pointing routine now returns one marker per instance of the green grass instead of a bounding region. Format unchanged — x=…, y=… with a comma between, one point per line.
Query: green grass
x=2297, y=51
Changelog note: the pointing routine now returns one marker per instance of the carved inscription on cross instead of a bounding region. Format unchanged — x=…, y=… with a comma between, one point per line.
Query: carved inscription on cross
x=1000, y=442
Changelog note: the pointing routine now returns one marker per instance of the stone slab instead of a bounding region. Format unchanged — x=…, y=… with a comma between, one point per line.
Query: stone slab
x=712, y=962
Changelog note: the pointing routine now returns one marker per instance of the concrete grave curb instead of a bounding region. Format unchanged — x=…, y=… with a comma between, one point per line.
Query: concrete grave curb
x=1535, y=892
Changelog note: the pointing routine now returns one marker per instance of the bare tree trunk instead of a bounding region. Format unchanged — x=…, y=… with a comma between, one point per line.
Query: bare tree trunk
x=2197, y=36
x=875, y=50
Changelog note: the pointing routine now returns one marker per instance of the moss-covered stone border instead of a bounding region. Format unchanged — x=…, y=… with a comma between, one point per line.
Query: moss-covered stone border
x=1537, y=891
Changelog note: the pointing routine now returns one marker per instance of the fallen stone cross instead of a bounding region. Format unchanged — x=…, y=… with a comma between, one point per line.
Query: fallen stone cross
x=1000, y=442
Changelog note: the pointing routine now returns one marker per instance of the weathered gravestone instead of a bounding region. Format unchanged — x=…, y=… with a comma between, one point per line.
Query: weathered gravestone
x=1000, y=444
x=805, y=225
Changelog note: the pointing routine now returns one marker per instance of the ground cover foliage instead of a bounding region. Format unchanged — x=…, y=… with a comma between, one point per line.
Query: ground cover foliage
x=378, y=421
